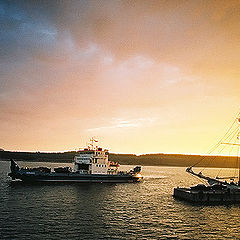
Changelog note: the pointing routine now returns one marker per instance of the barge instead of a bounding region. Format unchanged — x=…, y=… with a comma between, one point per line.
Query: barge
x=208, y=194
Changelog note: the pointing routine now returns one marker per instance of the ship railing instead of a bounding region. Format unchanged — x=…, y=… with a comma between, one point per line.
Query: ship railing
x=117, y=172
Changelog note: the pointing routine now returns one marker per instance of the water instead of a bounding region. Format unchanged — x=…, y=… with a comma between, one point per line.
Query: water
x=111, y=211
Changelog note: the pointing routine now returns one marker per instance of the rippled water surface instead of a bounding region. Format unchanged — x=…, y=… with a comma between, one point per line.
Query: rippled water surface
x=144, y=210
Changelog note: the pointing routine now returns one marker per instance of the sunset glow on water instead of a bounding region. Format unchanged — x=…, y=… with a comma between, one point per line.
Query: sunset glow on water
x=144, y=210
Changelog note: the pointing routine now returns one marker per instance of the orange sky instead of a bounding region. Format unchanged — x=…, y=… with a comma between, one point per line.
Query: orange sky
x=141, y=76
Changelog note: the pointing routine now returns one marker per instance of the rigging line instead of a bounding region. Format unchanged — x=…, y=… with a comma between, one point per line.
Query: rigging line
x=231, y=149
x=237, y=167
x=228, y=129
x=202, y=180
x=226, y=135
x=235, y=170
x=237, y=132
x=207, y=156
x=224, y=146
x=233, y=145
x=219, y=142
x=225, y=160
x=201, y=159
x=212, y=159
x=215, y=157
x=233, y=133
x=230, y=133
x=238, y=160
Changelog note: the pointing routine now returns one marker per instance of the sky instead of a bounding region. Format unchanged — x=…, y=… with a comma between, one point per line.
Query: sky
x=140, y=76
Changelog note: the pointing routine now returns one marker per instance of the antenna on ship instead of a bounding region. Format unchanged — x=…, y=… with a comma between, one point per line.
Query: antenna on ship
x=92, y=141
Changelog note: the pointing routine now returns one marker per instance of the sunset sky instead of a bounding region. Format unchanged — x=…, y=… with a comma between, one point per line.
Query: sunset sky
x=140, y=76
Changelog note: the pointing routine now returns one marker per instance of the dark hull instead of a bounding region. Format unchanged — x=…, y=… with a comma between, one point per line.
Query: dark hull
x=74, y=177
x=198, y=196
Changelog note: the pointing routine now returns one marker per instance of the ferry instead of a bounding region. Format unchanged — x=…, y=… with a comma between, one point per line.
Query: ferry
x=90, y=165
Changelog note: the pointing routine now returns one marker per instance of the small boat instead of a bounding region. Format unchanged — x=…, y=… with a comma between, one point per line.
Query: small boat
x=216, y=189
x=90, y=165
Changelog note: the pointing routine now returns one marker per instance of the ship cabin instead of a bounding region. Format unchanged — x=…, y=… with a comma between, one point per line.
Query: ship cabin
x=93, y=161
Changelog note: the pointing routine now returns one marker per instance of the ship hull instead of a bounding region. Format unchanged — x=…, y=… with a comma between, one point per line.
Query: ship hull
x=212, y=196
x=75, y=177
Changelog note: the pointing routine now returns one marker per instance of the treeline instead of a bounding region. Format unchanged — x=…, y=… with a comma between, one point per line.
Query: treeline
x=38, y=156
x=181, y=160
x=129, y=159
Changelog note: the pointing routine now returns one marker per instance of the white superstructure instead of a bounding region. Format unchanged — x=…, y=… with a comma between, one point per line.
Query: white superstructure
x=94, y=160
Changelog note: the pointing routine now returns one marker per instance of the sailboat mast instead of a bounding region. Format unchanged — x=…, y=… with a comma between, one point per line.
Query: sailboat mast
x=238, y=160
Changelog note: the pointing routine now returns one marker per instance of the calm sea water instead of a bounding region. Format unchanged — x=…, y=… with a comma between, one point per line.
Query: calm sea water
x=144, y=210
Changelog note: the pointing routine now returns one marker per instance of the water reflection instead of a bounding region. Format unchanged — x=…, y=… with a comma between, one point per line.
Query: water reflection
x=144, y=210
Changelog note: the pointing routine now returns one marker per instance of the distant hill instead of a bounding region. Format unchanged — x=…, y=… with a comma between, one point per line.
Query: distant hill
x=38, y=156
x=128, y=159
x=180, y=160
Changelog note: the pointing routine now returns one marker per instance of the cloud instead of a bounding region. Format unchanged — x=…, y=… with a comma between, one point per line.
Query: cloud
x=152, y=28
x=85, y=62
x=124, y=123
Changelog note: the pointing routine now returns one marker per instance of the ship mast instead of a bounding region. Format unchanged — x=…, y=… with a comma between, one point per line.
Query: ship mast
x=238, y=160
x=92, y=141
